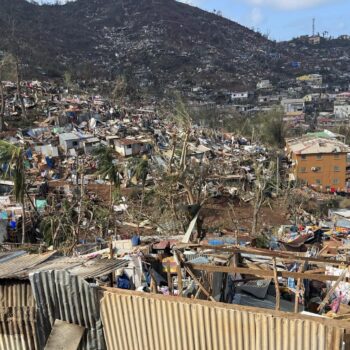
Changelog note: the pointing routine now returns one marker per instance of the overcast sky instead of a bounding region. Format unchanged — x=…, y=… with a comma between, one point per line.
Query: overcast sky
x=283, y=19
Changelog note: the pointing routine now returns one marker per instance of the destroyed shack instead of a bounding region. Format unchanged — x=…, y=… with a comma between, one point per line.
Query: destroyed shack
x=130, y=147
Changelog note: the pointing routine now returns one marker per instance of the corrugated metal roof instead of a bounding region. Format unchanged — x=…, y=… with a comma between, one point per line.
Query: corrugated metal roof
x=58, y=263
x=19, y=267
x=6, y=256
x=18, y=328
x=98, y=268
x=61, y=295
x=58, y=294
x=135, y=321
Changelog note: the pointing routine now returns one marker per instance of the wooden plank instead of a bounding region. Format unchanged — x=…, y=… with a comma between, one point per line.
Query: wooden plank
x=190, y=272
x=170, y=280
x=330, y=292
x=278, y=294
x=64, y=336
x=178, y=261
x=282, y=255
x=179, y=279
x=153, y=283
x=296, y=302
x=190, y=229
x=265, y=273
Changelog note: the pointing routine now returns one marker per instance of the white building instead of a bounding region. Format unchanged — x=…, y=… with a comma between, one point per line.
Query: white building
x=293, y=105
x=69, y=140
x=342, y=110
x=129, y=147
x=240, y=95
x=264, y=84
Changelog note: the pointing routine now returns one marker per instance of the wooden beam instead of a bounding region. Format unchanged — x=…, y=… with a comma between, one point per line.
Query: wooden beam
x=271, y=254
x=278, y=294
x=178, y=261
x=111, y=256
x=265, y=273
x=200, y=285
x=330, y=292
x=179, y=280
x=170, y=281
x=297, y=291
x=153, y=283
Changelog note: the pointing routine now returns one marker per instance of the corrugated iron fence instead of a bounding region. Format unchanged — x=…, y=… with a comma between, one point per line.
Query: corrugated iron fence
x=135, y=321
x=17, y=316
x=60, y=295
x=18, y=328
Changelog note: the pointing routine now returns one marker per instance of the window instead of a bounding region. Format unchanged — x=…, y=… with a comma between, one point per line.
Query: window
x=337, y=156
x=318, y=182
x=128, y=146
x=335, y=181
x=336, y=168
x=303, y=157
x=319, y=156
x=303, y=170
x=75, y=143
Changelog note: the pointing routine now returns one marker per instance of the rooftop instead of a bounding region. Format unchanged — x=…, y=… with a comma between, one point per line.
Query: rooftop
x=316, y=145
x=128, y=142
x=69, y=136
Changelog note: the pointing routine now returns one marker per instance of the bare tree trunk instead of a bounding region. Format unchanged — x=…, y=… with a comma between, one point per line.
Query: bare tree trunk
x=19, y=89
x=2, y=107
x=255, y=221
x=189, y=194
x=142, y=197
x=184, y=150
x=80, y=204
x=172, y=155
x=257, y=206
x=23, y=223
x=110, y=204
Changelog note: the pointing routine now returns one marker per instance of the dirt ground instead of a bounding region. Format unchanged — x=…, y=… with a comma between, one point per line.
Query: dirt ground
x=224, y=213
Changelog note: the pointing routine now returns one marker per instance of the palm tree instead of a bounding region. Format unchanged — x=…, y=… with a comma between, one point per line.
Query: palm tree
x=107, y=168
x=13, y=157
x=141, y=173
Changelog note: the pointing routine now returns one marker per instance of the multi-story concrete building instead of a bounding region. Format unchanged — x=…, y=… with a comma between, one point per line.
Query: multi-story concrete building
x=319, y=162
x=293, y=105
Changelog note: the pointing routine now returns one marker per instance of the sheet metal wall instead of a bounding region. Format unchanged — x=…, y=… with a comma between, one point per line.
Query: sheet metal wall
x=16, y=293
x=60, y=295
x=17, y=316
x=18, y=328
x=141, y=322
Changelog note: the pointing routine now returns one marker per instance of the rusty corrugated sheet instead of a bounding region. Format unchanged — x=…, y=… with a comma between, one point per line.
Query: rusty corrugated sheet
x=16, y=294
x=135, y=321
x=60, y=295
x=18, y=329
